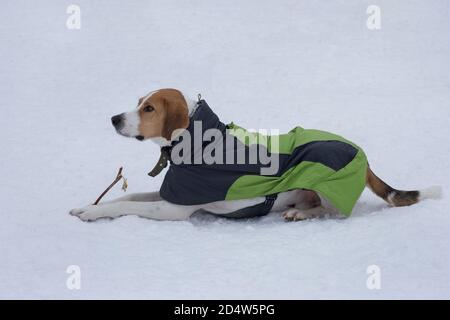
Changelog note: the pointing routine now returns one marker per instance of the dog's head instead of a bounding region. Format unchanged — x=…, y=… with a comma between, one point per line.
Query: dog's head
x=157, y=116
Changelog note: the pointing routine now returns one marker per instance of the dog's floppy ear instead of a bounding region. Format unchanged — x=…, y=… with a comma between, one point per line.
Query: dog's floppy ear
x=176, y=116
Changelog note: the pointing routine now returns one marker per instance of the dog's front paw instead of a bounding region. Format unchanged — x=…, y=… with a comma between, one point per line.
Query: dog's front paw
x=77, y=211
x=294, y=215
x=89, y=213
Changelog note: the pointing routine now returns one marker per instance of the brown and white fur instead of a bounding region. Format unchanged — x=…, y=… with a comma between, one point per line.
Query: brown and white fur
x=157, y=116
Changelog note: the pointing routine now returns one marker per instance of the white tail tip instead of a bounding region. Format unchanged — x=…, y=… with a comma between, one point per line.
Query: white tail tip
x=434, y=192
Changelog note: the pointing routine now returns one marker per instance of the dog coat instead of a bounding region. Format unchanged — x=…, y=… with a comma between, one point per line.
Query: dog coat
x=308, y=159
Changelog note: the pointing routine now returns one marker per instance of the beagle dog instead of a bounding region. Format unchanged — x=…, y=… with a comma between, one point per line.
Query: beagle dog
x=159, y=117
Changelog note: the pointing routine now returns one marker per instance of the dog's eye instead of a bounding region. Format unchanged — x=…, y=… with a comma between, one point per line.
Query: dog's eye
x=148, y=109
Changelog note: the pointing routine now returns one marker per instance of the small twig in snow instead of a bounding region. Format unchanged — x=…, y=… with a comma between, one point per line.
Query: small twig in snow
x=117, y=179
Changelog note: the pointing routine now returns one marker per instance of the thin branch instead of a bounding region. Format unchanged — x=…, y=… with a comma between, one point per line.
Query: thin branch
x=118, y=178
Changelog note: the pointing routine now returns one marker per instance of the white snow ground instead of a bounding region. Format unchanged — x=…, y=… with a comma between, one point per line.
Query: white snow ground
x=262, y=64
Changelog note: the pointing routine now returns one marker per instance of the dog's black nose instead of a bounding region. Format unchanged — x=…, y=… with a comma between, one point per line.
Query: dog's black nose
x=116, y=120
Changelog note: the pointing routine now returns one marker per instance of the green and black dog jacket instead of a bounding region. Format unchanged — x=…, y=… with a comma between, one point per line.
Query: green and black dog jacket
x=307, y=159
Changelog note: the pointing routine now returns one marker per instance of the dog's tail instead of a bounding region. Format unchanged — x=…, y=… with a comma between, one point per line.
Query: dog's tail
x=399, y=198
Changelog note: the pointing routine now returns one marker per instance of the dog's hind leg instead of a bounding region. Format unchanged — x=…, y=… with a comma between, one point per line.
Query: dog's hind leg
x=312, y=206
x=307, y=199
x=294, y=214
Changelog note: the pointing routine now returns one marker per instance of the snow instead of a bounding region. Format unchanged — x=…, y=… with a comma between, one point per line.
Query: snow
x=260, y=64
